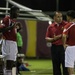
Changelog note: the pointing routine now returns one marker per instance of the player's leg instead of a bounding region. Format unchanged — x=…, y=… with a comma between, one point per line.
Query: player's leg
x=1, y=56
x=10, y=48
x=69, y=59
x=10, y=67
x=1, y=65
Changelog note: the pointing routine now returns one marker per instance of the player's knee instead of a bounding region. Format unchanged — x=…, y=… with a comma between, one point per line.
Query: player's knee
x=10, y=64
x=14, y=64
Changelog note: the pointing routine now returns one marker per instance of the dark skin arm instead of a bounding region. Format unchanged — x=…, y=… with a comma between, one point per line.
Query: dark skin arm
x=7, y=28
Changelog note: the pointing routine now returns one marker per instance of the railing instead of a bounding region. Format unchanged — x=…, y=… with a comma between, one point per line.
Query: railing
x=25, y=12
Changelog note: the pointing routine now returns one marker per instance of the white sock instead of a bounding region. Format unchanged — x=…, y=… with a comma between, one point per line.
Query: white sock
x=4, y=71
x=72, y=74
x=14, y=71
x=8, y=72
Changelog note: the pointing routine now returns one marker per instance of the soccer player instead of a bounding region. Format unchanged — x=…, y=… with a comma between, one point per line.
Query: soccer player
x=53, y=35
x=9, y=47
x=69, y=42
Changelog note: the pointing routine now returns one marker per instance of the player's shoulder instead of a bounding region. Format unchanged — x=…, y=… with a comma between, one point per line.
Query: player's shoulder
x=67, y=25
x=52, y=25
x=49, y=27
x=6, y=19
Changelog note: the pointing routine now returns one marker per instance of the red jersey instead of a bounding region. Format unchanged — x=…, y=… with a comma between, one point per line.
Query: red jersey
x=54, y=29
x=69, y=30
x=9, y=34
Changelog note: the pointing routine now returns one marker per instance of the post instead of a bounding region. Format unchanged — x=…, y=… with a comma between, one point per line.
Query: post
x=7, y=5
x=57, y=5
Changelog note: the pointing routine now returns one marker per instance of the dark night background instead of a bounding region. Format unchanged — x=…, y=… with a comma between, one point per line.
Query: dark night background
x=45, y=5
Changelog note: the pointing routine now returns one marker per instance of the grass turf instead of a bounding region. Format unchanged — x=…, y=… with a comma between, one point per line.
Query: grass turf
x=38, y=67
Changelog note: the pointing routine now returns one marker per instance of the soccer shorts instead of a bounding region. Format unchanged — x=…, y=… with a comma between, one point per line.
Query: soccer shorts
x=9, y=50
x=70, y=56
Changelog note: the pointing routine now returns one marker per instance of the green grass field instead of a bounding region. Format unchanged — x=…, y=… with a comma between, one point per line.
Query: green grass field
x=38, y=67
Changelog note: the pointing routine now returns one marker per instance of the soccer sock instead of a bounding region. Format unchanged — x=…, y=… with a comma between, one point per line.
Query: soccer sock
x=72, y=74
x=14, y=71
x=8, y=72
x=4, y=71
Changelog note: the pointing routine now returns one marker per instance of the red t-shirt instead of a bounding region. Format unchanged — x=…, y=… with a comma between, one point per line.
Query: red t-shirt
x=10, y=34
x=69, y=30
x=54, y=29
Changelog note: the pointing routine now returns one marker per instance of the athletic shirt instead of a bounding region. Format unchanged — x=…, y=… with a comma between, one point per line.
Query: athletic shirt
x=69, y=30
x=19, y=40
x=9, y=34
x=54, y=29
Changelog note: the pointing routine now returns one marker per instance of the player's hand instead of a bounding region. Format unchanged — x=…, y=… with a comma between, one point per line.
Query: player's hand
x=65, y=46
x=57, y=37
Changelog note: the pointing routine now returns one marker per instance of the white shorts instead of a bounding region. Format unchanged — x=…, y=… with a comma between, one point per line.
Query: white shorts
x=9, y=50
x=70, y=56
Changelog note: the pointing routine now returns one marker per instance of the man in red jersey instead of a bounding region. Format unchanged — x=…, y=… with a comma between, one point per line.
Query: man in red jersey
x=53, y=35
x=69, y=42
x=9, y=47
